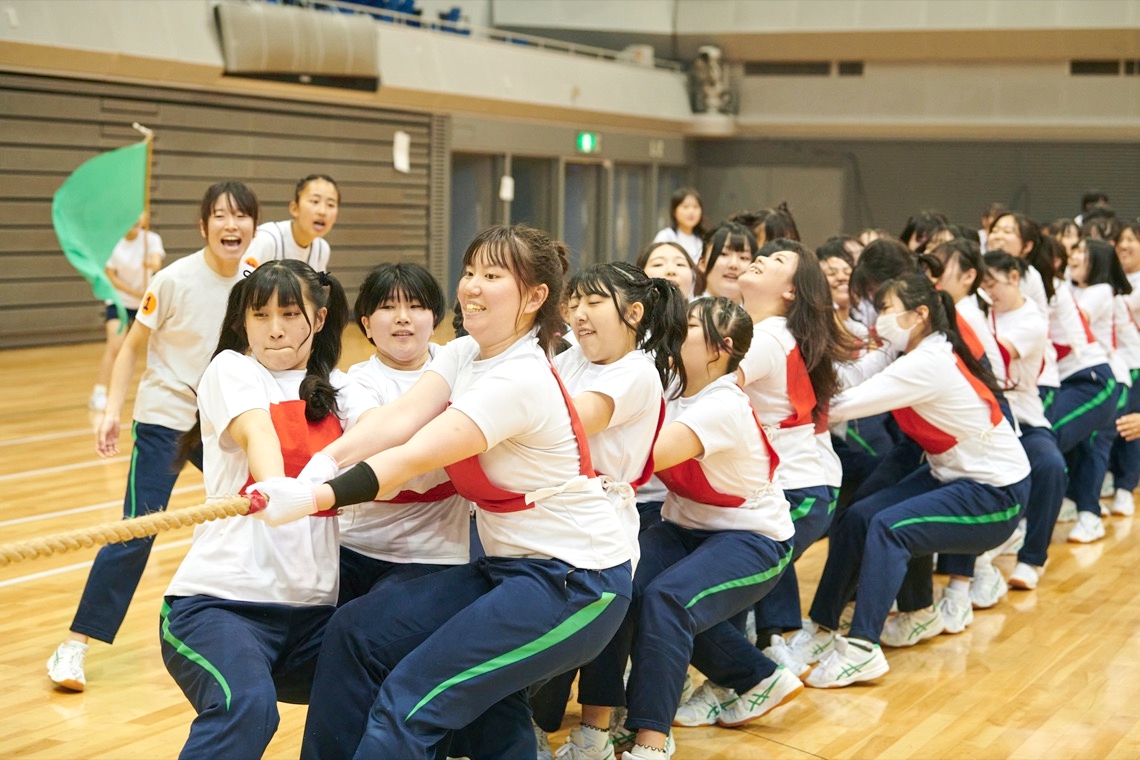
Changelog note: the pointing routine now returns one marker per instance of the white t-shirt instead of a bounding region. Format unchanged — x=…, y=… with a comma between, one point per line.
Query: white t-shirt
x=515, y=401
x=692, y=244
x=243, y=558
x=1127, y=333
x=431, y=533
x=928, y=381
x=1097, y=303
x=184, y=307
x=128, y=262
x=765, y=369
x=735, y=462
x=1026, y=330
x=274, y=241
x=1066, y=329
x=619, y=452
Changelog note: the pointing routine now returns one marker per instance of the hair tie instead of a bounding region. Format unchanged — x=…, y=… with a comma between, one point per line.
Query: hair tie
x=323, y=279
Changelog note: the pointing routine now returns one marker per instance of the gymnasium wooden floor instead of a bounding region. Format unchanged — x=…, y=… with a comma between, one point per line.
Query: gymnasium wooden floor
x=1052, y=673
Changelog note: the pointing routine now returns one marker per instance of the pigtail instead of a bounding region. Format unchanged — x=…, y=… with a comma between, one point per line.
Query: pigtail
x=662, y=331
x=317, y=390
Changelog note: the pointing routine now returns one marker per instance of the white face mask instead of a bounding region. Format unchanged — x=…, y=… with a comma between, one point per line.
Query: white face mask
x=888, y=329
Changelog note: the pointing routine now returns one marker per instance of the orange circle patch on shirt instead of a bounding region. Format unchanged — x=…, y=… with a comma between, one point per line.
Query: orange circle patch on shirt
x=148, y=304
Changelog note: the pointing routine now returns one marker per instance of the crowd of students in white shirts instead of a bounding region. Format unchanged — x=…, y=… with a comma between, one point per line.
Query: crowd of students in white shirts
x=610, y=474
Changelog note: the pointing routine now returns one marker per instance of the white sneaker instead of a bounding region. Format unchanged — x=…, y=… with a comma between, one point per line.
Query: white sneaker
x=1108, y=486
x=987, y=587
x=581, y=745
x=687, y=689
x=848, y=662
x=1089, y=528
x=65, y=666
x=98, y=400
x=1123, y=504
x=750, y=626
x=544, y=751
x=780, y=653
x=845, y=619
x=1016, y=540
x=622, y=737
x=638, y=752
x=1068, y=511
x=908, y=628
x=810, y=643
x=1025, y=576
x=761, y=699
x=957, y=612
x=704, y=707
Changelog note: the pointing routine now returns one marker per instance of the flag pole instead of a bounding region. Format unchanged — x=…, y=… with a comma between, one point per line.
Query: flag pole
x=148, y=135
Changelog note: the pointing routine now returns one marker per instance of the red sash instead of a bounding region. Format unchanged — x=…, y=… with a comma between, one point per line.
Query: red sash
x=932, y=439
x=969, y=337
x=300, y=439
x=688, y=479
x=1064, y=350
x=472, y=483
x=800, y=392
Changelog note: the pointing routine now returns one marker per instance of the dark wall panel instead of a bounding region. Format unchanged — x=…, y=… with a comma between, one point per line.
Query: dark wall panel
x=885, y=182
x=49, y=126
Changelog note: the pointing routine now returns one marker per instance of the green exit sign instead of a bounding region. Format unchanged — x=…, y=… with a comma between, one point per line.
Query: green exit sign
x=589, y=142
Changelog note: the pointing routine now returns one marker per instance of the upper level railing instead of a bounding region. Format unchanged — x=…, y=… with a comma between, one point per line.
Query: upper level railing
x=477, y=32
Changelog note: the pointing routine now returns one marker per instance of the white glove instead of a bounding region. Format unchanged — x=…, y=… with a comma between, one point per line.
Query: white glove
x=320, y=469
x=289, y=500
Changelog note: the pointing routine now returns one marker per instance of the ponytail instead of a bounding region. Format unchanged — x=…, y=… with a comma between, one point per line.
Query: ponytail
x=662, y=331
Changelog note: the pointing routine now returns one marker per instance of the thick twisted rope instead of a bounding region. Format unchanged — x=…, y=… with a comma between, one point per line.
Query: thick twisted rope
x=126, y=530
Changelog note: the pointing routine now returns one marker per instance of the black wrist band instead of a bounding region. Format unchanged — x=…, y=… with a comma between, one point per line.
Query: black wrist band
x=355, y=486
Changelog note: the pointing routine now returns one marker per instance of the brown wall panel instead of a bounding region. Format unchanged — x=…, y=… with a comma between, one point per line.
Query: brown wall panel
x=49, y=126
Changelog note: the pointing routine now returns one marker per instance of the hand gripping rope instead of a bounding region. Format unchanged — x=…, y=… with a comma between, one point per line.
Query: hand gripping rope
x=126, y=530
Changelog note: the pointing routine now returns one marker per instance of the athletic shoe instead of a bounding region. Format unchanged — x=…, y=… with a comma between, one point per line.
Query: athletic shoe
x=1089, y=528
x=780, y=653
x=1016, y=540
x=1123, y=504
x=845, y=619
x=761, y=699
x=687, y=689
x=580, y=746
x=704, y=707
x=621, y=736
x=544, y=751
x=908, y=628
x=638, y=752
x=750, y=626
x=848, y=662
x=1068, y=511
x=1025, y=576
x=1108, y=487
x=810, y=643
x=987, y=586
x=65, y=666
x=957, y=612
x=98, y=400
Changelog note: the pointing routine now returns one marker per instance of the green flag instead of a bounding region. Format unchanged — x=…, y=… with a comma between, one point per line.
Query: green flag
x=94, y=208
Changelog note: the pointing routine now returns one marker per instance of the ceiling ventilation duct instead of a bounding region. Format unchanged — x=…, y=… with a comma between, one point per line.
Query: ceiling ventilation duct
x=269, y=41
